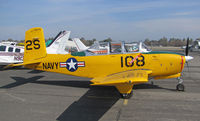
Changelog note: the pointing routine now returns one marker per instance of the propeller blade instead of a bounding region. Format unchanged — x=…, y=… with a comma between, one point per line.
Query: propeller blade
x=187, y=47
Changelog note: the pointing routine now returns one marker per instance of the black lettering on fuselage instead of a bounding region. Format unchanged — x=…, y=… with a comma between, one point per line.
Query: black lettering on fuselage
x=50, y=65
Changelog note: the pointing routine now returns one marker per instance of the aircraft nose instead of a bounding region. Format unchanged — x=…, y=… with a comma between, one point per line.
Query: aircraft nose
x=188, y=58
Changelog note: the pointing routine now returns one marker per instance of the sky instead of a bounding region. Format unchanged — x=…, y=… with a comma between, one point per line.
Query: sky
x=127, y=20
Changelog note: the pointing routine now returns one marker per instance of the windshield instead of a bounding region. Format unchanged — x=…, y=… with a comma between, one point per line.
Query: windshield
x=131, y=47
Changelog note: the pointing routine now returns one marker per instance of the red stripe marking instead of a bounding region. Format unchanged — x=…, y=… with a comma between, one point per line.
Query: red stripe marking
x=135, y=58
x=181, y=63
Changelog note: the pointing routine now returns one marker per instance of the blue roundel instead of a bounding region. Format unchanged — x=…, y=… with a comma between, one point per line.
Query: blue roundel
x=72, y=64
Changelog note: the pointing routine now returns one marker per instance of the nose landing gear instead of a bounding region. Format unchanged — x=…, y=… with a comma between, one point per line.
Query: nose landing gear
x=180, y=86
x=127, y=95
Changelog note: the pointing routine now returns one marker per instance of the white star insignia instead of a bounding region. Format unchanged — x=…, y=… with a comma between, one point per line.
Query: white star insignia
x=71, y=64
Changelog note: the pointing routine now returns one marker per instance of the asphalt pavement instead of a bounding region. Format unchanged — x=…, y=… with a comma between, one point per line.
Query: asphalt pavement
x=28, y=95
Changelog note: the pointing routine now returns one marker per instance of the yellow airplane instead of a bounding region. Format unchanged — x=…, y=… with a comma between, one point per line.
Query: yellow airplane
x=122, y=70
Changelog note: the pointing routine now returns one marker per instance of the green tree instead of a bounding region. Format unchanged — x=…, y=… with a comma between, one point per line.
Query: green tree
x=163, y=41
x=108, y=40
x=147, y=42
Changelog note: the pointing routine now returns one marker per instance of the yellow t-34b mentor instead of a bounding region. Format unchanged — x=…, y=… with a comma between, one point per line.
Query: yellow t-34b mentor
x=118, y=67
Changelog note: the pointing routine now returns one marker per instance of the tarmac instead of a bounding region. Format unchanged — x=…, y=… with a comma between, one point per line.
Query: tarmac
x=28, y=95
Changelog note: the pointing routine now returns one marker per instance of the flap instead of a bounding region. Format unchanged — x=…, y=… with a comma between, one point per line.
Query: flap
x=131, y=77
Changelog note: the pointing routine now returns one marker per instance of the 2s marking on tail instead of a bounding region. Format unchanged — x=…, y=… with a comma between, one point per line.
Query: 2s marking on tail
x=35, y=43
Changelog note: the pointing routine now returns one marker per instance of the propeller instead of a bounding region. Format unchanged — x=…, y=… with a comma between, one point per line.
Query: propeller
x=187, y=47
x=187, y=57
x=180, y=86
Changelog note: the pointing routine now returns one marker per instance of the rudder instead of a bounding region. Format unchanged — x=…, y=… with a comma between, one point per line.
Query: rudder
x=35, y=47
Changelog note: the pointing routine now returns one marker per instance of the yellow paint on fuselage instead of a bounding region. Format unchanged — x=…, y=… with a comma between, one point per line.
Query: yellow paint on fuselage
x=103, y=65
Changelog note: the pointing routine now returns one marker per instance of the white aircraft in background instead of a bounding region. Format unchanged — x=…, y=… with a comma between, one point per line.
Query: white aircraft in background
x=195, y=46
x=97, y=48
x=80, y=46
x=61, y=44
x=10, y=54
x=9, y=43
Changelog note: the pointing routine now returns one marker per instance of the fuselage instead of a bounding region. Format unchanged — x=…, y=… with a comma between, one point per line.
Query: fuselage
x=161, y=64
x=10, y=54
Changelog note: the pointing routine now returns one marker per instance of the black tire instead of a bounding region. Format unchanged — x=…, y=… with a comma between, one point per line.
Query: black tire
x=180, y=87
x=127, y=96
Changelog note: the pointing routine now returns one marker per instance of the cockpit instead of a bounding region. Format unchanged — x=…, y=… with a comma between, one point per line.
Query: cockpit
x=105, y=48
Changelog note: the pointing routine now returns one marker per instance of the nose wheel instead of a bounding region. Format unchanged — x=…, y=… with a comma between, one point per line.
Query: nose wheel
x=127, y=95
x=180, y=86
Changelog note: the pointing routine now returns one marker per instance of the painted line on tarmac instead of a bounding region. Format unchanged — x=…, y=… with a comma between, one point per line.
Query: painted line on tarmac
x=15, y=97
x=125, y=102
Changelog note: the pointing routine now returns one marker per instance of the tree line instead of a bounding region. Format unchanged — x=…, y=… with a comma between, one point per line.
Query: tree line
x=176, y=42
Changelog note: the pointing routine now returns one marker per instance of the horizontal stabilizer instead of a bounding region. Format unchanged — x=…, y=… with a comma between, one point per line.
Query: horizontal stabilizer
x=21, y=64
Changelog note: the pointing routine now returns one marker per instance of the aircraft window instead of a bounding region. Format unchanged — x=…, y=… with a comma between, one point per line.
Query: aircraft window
x=2, y=48
x=132, y=47
x=10, y=49
x=116, y=48
x=71, y=49
x=17, y=50
x=99, y=46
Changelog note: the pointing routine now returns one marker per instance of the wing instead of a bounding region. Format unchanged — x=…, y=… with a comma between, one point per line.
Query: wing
x=123, y=81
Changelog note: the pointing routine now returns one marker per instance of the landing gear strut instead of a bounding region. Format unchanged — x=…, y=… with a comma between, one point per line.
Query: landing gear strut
x=127, y=95
x=180, y=86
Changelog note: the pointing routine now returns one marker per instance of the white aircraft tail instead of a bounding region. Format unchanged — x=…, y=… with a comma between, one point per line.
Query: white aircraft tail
x=64, y=41
x=79, y=44
x=57, y=46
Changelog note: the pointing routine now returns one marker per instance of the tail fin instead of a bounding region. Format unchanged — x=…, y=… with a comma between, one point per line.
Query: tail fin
x=35, y=47
x=64, y=41
x=79, y=44
x=57, y=46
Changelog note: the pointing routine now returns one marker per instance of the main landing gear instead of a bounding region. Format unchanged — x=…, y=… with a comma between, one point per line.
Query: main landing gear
x=127, y=95
x=180, y=86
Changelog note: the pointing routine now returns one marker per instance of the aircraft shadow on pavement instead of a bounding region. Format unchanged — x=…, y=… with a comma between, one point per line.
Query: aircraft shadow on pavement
x=21, y=81
x=150, y=86
x=12, y=68
x=86, y=84
x=72, y=83
x=92, y=105
x=69, y=83
x=35, y=71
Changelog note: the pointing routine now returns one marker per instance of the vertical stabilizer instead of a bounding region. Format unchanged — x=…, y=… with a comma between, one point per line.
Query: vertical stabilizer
x=59, y=43
x=63, y=42
x=79, y=44
x=35, y=47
